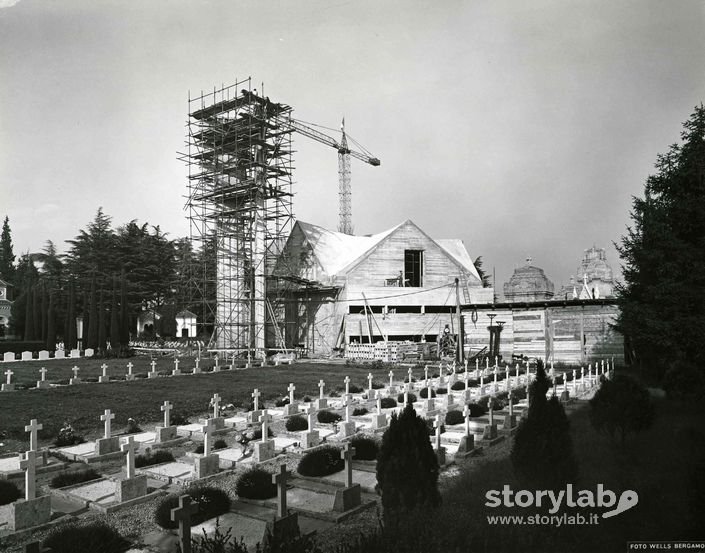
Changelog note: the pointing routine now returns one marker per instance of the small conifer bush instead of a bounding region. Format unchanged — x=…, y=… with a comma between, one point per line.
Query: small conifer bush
x=321, y=462
x=327, y=417
x=255, y=483
x=412, y=398
x=296, y=423
x=359, y=411
x=211, y=502
x=218, y=444
x=441, y=391
x=454, y=417
x=77, y=537
x=388, y=402
x=424, y=393
x=153, y=458
x=476, y=410
x=366, y=447
x=178, y=419
x=9, y=492
x=458, y=385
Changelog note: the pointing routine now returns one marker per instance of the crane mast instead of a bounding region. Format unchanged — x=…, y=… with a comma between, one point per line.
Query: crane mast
x=344, y=188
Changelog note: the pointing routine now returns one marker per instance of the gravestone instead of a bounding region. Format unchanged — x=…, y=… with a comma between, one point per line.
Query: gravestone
x=391, y=389
x=32, y=510
x=104, y=378
x=168, y=431
x=33, y=428
x=8, y=386
x=321, y=402
x=410, y=372
x=264, y=449
x=206, y=464
x=310, y=438
x=43, y=382
x=26, y=356
x=132, y=486
x=216, y=367
x=8, y=356
x=183, y=514
x=59, y=354
x=439, y=449
x=285, y=526
x=429, y=404
x=291, y=408
x=176, y=371
x=108, y=443
x=129, y=375
x=218, y=421
x=254, y=415
x=89, y=352
x=490, y=431
x=347, y=428
x=153, y=373
x=75, y=353
x=370, y=390
x=43, y=355
x=379, y=419
x=75, y=379
x=510, y=419
x=196, y=367
x=350, y=496
x=467, y=442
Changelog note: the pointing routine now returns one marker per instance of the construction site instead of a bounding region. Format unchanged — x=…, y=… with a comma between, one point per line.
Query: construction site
x=288, y=287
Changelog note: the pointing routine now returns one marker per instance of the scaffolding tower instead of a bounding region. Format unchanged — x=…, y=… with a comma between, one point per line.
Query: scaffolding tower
x=239, y=204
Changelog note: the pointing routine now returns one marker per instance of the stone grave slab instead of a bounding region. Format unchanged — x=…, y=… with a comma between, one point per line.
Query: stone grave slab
x=8, y=356
x=188, y=429
x=324, y=433
x=101, y=491
x=366, y=479
x=251, y=530
x=142, y=438
x=43, y=355
x=236, y=420
x=172, y=473
x=282, y=443
x=78, y=452
x=230, y=456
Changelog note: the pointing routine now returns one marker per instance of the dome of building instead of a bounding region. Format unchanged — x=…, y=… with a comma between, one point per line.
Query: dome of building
x=528, y=283
x=594, y=266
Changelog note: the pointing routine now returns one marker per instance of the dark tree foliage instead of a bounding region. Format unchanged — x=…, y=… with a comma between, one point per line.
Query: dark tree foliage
x=7, y=256
x=484, y=277
x=124, y=313
x=621, y=406
x=542, y=455
x=102, y=336
x=663, y=295
x=407, y=468
x=114, y=318
x=29, y=315
x=70, y=327
x=51, y=325
x=92, y=336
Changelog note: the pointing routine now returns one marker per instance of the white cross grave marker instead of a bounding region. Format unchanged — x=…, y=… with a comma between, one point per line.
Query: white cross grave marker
x=264, y=418
x=130, y=447
x=182, y=514
x=106, y=418
x=437, y=426
x=391, y=379
x=129, y=368
x=280, y=480
x=33, y=429
x=466, y=414
x=347, y=385
x=44, y=374
x=215, y=402
x=207, y=430
x=28, y=463
x=291, y=390
x=255, y=398
x=8, y=374
x=75, y=372
x=369, y=384
x=105, y=368
x=321, y=387
x=347, y=455
x=167, y=410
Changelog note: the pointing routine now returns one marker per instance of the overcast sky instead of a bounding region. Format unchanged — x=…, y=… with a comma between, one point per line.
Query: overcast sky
x=523, y=128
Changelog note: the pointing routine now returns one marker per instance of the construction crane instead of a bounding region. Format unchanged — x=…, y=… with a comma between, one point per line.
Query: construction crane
x=344, y=154
x=287, y=124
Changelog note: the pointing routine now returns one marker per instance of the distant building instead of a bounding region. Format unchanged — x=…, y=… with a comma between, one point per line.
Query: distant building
x=528, y=283
x=5, y=308
x=186, y=324
x=594, y=280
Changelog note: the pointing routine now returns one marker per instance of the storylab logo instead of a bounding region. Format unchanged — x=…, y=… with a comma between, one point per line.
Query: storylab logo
x=556, y=500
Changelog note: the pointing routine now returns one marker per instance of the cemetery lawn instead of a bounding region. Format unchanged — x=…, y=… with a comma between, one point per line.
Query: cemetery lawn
x=82, y=404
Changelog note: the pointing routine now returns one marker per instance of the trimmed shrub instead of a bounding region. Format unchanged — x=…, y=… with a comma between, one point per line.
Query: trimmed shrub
x=255, y=483
x=75, y=537
x=307, y=399
x=9, y=492
x=431, y=428
x=518, y=394
x=218, y=444
x=441, y=391
x=64, y=479
x=359, y=411
x=211, y=502
x=458, y=385
x=132, y=426
x=497, y=404
x=424, y=393
x=153, y=458
x=281, y=402
x=178, y=419
x=68, y=437
x=388, y=402
x=621, y=406
x=355, y=389
x=454, y=417
x=377, y=385
x=321, y=462
x=257, y=433
x=296, y=423
x=684, y=382
x=476, y=409
x=366, y=447
x=407, y=469
x=327, y=417
x=412, y=398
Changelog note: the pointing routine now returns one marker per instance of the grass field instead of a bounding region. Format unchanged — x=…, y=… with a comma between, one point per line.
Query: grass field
x=82, y=404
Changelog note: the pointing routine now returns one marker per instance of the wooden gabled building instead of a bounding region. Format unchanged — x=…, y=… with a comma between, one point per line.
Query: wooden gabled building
x=399, y=284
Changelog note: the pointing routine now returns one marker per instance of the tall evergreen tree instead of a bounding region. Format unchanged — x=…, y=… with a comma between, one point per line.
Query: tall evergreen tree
x=70, y=330
x=114, y=318
x=102, y=337
x=44, y=308
x=29, y=315
x=124, y=313
x=663, y=296
x=51, y=325
x=92, y=337
x=37, y=311
x=7, y=256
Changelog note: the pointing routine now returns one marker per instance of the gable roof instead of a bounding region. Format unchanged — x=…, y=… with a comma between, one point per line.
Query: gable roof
x=456, y=248
x=335, y=250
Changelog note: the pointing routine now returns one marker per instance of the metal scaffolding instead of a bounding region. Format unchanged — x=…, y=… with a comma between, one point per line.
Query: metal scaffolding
x=239, y=204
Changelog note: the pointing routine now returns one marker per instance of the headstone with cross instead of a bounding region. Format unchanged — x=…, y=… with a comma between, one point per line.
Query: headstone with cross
x=410, y=372
x=310, y=438
x=206, y=464
x=75, y=379
x=510, y=418
x=264, y=449
x=291, y=408
x=153, y=373
x=348, y=497
x=129, y=375
x=369, y=386
x=106, y=417
x=321, y=387
x=391, y=381
x=347, y=385
x=176, y=371
x=322, y=401
x=346, y=454
x=490, y=432
x=130, y=447
x=168, y=431
x=104, y=378
x=28, y=463
x=216, y=367
x=467, y=441
x=108, y=443
x=425, y=372
x=439, y=449
x=379, y=419
x=253, y=416
x=33, y=428
x=8, y=376
x=279, y=479
x=182, y=514
x=207, y=430
x=264, y=419
x=43, y=383
x=132, y=486
x=406, y=393
x=347, y=427
x=196, y=366
x=215, y=403
x=33, y=511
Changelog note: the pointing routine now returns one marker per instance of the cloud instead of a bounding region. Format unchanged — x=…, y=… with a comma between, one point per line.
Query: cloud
x=8, y=3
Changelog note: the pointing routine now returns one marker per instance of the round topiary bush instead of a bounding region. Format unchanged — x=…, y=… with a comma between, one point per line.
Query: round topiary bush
x=178, y=419
x=64, y=479
x=327, y=417
x=442, y=390
x=355, y=389
x=458, y=386
x=454, y=417
x=218, y=444
x=257, y=434
x=255, y=483
x=153, y=458
x=296, y=423
x=424, y=393
x=281, y=402
x=366, y=447
x=388, y=402
x=75, y=537
x=476, y=410
x=211, y=502
x=412, y=398
x=321, y=462
x=377, y=385
x=359, y=411
x=9, y=492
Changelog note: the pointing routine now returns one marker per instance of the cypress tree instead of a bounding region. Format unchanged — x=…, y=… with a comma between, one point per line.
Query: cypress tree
x=114, y=318
x=102, y=338
x=51, y=325
x=29, y=315
x=37, y=311
x=70, y=338
x=407, y=469
x=44, y=312
x=124, y=313
x=92, y=338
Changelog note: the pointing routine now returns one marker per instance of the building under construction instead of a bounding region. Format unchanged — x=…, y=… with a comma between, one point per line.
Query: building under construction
x=239, y=161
